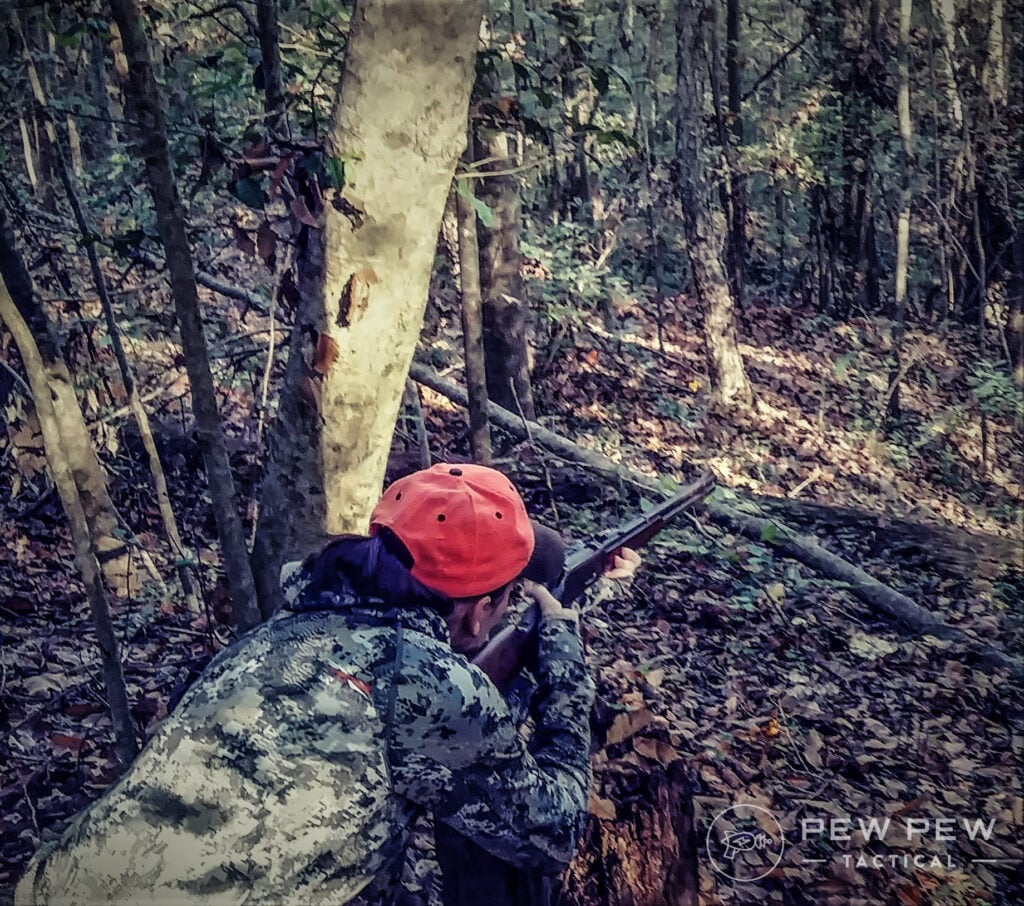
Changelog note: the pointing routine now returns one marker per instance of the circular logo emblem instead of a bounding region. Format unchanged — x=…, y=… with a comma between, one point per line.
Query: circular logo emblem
x=745, y=842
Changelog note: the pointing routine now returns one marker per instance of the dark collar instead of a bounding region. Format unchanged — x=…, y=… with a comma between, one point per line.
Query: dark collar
x=364, y=610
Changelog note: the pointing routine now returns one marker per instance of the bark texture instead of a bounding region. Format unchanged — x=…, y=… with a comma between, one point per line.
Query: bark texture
x=647, y=855
x=705, y=225
x=472, y=330
x=505, y=309
x=147, y=107
x=399, y=123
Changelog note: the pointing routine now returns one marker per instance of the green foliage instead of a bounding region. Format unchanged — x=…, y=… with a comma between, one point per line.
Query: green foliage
x=675, y=409
x=577, y=286
x=483, y=211
x=995, y=391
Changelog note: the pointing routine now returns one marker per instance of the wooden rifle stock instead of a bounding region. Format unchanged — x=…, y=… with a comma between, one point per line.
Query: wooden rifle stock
x=506, y=653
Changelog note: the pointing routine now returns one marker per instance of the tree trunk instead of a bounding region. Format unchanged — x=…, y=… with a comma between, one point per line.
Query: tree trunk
x=147, y=108
x=505, y=308
x=87, y=238
x=906, y=162
x=705, y=225
x=51, y=420
x=270, y=66
x=472, y=328
x=400, y=119
x=102, y=132
x=739, y=200
x=91, y=481
x=1015, y=310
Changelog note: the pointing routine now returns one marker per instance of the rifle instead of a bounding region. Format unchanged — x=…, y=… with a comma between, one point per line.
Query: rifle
x=505, y=654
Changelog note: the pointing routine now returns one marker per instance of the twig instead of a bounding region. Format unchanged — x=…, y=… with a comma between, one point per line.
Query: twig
x=31, y=808
x=422, y=441
x=17, y=379
x=529, y=440
x=282, y=265
x=810, y=479
x=699, y=526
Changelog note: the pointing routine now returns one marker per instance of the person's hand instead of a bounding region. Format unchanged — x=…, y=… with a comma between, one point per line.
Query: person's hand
x=621, y=564
x=550, y=607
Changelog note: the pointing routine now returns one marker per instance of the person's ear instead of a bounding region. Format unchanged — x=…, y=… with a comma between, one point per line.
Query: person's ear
x=475, y=613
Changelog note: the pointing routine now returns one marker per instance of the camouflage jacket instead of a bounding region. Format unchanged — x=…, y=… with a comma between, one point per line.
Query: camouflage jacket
x=290, y=772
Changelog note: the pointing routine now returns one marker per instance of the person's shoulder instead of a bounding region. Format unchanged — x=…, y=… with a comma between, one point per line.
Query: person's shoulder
x=442, y=688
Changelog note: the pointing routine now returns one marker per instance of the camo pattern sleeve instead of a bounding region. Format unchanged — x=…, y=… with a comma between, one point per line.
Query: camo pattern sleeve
x=456, y=748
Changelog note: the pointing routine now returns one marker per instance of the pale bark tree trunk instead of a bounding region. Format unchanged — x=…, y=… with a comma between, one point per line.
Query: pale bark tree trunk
x=91, y=481
x=906, y=160
x=29, y=152
x=400, y=119
x=147, y=108
x=58, y=446
x=472, y=329
x=505, y=310
x=705, y=226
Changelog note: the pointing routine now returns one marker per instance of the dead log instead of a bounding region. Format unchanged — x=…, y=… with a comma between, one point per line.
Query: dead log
x=959, y=548
x=877, y=595
x=528, y=430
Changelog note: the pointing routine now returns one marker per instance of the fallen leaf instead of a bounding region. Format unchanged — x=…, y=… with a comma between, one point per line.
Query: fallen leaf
x=302, y=214
x=655, y=749
x=812, y=750
x=45, y=683
x=243, y=240
x=655, y=677
x=625, y=725
x=602, y=808
x=870, y=646
x=266, y=243
x=61, y=742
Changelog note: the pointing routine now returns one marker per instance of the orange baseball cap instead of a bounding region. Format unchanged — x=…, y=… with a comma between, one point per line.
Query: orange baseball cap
x=465, y=527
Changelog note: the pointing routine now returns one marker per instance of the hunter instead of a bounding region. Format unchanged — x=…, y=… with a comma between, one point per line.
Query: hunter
x=291, y=771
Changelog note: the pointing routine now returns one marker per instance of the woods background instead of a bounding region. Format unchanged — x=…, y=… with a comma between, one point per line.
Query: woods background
x=780, y=240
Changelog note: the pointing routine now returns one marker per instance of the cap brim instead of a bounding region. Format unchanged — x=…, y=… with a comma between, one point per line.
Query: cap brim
x=548, y=558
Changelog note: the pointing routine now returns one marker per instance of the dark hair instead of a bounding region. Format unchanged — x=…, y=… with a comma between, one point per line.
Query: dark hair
x=376, y=567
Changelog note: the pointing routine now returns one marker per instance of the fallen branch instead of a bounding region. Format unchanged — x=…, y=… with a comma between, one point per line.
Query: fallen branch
x=218, y=286
x=877, y=595
x=527, y=430
x=934, y=542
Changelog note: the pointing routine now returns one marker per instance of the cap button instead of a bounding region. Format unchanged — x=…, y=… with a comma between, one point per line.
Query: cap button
x=455, y=471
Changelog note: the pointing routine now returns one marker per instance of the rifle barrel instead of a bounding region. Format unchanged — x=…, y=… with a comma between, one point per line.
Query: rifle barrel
x=585, y=564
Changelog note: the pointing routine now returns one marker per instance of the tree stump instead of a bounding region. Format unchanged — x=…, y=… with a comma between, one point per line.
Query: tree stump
x=647, y=854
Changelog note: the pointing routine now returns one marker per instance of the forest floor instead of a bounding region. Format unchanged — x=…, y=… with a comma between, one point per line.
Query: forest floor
x=776, y=686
